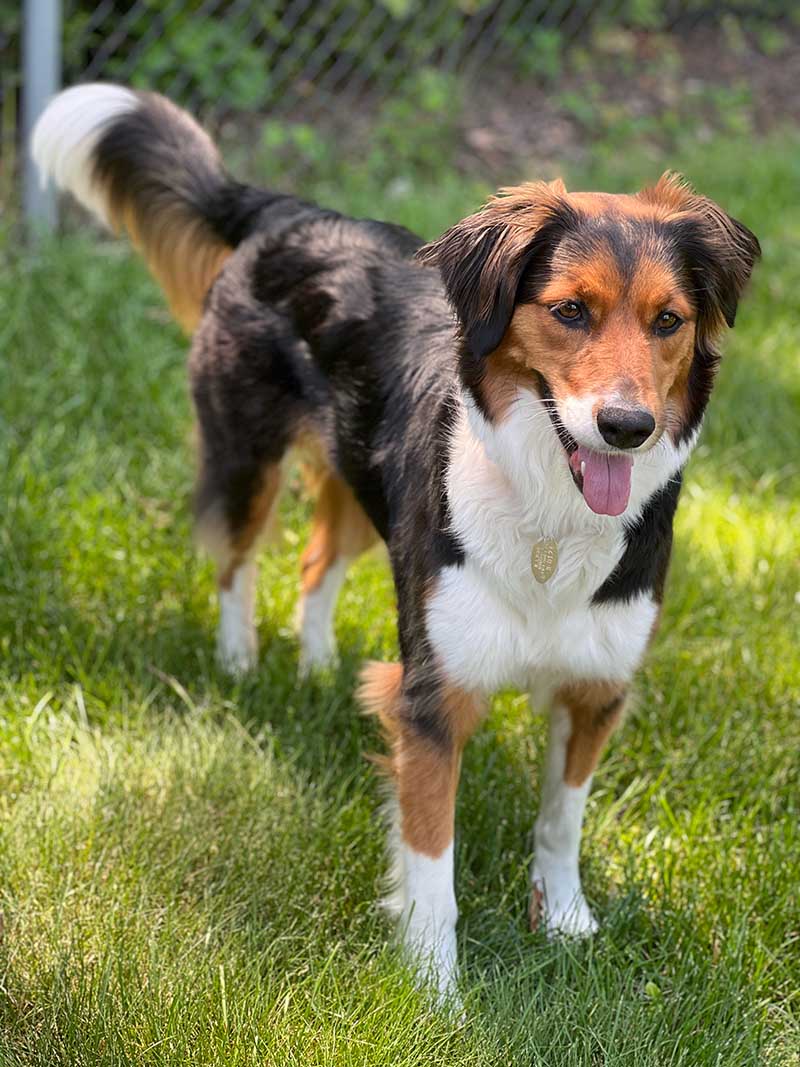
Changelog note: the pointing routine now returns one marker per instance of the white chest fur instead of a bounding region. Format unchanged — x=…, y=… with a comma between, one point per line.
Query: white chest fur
x=491, y=623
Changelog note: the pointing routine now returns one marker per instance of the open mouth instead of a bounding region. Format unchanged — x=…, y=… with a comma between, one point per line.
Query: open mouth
x=603, y=478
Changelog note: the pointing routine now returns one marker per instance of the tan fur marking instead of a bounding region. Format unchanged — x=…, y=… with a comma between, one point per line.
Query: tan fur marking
x=655, y=287
x=595, y=279
x=502, y=377
x=619, y=355
x=426, y=779
x=181, y=251
x=340, y=528
x=179, y=245
x=379, y=690
x=425, y=774
x=595, y=709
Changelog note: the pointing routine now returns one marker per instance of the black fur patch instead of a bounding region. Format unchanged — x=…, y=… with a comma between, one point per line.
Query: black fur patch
x=644, y=563
x=154, y=158
x=486, y=276
x=327, y=323
x=714, y=275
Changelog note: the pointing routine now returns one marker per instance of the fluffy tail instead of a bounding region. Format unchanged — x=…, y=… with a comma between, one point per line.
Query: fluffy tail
x=141, y=164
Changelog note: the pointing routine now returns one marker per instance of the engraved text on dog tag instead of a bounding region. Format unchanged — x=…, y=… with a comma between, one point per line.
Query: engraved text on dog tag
x=544, y=559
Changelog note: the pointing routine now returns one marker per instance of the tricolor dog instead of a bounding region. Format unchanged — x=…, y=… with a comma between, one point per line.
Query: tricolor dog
x=509, y=408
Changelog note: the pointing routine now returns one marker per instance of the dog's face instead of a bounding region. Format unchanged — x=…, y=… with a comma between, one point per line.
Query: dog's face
x=607, y=307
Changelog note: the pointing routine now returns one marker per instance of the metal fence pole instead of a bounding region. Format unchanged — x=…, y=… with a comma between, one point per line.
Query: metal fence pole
x=41, y=42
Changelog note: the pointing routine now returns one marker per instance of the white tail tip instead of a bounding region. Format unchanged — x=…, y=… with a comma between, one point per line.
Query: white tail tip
x=66, y=133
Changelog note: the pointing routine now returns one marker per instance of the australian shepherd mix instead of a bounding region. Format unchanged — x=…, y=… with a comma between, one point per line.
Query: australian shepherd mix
x=509, y=408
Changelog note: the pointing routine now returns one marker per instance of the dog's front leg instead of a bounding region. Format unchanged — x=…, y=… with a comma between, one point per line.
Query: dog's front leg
x=427, y=912
x=582, y=719
x=427, y=723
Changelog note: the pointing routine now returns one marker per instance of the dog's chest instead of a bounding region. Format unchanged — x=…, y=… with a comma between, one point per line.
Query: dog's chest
x=492, y=624
x=487, y=639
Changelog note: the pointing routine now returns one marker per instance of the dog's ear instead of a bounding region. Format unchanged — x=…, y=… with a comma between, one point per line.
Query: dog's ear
x=484, y=257
x=719, y=251
x=735, y=250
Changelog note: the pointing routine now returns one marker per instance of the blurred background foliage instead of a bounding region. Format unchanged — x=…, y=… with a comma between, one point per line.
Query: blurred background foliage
x=301, y=90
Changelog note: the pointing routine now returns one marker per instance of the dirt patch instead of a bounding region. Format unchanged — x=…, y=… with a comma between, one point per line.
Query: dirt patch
x=654, y=87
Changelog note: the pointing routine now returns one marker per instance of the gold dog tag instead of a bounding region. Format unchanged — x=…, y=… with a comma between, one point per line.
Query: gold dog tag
x=544, y=559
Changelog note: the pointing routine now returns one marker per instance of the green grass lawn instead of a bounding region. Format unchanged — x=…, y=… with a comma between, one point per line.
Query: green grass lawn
x=189, y=867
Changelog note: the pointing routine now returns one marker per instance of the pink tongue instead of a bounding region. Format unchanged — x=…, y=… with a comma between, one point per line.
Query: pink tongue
x=606, y=479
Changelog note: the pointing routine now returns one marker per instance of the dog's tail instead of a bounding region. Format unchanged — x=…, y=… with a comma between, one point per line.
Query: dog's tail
x=141, y=164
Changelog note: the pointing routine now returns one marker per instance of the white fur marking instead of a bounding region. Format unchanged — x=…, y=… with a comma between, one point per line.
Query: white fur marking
x=486, y=642
x=555, y=875
x=316, y=611
x=237, y=645
x=429, y=914
x=577, y=415
x=394, y=899
x=65, y=136
x=508, y=486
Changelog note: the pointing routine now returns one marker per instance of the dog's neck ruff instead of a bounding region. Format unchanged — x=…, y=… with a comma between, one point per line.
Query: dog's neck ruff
x=510, y=483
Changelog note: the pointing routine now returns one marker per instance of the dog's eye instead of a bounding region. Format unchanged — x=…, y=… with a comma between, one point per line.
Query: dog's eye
x=668, y=322
x=570, y=311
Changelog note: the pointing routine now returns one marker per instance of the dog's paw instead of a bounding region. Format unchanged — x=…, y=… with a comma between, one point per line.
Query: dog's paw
x=317, y=642
x=559, y=907
x=436, y=973
x=237, y=654
x=316, y=660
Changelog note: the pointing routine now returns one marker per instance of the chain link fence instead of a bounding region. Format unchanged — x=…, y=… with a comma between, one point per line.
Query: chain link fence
x=295, y=53
x=302, y=75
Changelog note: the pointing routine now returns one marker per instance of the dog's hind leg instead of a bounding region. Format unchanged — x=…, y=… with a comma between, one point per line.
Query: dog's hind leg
x=230, y=524
x=583, y=718
x=340, y=532
x=247, y=419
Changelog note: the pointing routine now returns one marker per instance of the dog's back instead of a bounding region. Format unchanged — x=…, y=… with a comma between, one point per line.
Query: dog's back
x=305, y=320
x=307, y=325
x=141, y=164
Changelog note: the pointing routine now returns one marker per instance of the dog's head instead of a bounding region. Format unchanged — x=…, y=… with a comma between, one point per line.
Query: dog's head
x=606, y=306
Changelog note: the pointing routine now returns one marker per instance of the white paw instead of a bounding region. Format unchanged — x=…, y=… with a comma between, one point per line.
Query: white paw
x=237, y=644
x=314, y=621
x=316, y=656
x=317, y=641
x=434, y=963
x=237, y=652
x=559, y=907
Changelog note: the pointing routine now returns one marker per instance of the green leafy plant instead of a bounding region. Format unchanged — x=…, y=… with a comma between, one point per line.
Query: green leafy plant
x=285, y=147
x=209, y=56
x=417, y=127
x=538, y=53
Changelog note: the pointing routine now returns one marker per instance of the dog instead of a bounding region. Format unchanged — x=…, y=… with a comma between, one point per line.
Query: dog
x=509, y=408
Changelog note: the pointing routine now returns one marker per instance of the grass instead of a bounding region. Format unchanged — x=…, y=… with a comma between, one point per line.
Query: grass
x=188, y=867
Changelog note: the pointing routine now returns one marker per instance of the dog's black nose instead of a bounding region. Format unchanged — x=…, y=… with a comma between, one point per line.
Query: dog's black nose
x=625, y=427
